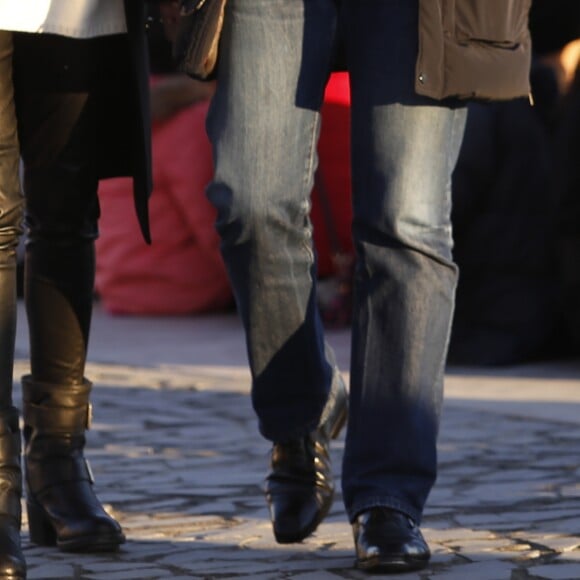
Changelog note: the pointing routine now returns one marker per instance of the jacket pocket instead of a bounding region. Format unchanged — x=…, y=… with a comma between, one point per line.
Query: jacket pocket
x=498, y=22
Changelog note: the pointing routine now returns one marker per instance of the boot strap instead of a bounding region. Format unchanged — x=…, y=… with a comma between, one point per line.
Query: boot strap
x=56, y=471
x=10, y=506
x=53, y=420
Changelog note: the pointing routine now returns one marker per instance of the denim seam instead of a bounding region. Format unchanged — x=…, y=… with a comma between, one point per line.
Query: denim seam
x=309, y=175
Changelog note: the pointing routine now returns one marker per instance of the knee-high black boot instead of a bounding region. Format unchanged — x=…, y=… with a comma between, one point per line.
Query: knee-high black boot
x=12, y=564
x=62, y=506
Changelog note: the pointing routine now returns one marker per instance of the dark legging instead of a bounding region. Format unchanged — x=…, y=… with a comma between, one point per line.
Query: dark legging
x=10, y=220
x=58, y=142
x=75, y=125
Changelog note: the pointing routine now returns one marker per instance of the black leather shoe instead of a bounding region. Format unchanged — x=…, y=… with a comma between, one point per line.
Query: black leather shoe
x=299, y=488
x=388, y=541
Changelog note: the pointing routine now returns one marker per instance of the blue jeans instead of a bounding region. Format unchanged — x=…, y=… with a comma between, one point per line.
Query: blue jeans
x=264, y=124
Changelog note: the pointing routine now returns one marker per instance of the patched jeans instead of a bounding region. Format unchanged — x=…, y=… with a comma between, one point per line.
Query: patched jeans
x=264, y=122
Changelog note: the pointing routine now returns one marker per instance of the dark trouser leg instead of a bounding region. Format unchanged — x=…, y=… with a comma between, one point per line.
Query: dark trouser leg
x=11, y=206
x=12, y=564
x=59, y=277
x=264, y=175
x=57, y=133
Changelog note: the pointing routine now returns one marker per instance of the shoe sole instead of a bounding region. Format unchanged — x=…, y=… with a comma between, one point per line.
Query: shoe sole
x=90, y=545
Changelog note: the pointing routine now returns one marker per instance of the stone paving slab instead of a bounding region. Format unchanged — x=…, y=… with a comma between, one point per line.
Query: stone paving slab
x=178, y=460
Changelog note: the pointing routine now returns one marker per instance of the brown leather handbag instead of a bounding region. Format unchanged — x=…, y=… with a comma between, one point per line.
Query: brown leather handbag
x=195, y=48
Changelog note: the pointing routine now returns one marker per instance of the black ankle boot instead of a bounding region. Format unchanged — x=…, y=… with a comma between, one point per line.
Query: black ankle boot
x=299, y=487
x=12, y=564
x=63, y=509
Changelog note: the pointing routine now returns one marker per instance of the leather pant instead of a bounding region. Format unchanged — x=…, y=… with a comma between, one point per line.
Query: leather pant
x=11, y=207
x=56, y=130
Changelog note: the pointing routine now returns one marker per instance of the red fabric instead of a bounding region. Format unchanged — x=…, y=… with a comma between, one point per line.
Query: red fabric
x=334, y=172
x=182, y=271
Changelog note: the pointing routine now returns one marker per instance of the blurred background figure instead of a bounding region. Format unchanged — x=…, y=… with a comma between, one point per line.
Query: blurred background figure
x=557, y=38
x=516, y=298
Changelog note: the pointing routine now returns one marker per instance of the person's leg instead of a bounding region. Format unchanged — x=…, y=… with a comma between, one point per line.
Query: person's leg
x=264, y=124
x=404, y=149
x=11, y=208
x=11, y=558
x=57, y=134
x=264, y=142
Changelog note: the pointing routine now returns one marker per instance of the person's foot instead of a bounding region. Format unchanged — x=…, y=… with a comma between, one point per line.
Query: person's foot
x=300, y=488
x=388, y=541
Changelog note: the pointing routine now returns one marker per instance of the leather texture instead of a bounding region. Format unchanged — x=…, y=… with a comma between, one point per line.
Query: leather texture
x=300, y=487
x=388, y=541
x=63, y=509
x=195, y=48
x=12, y=563
x=114, y=70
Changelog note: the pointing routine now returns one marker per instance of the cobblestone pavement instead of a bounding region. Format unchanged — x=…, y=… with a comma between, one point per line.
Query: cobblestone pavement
x=178, y=460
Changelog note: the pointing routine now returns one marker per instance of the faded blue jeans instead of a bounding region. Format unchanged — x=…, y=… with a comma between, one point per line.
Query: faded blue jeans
x=264, y=122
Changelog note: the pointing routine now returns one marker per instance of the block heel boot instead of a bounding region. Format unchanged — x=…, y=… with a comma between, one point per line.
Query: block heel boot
x=12, y=564
x=63, y=509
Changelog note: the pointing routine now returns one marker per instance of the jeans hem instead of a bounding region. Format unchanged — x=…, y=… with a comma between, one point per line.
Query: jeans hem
x=385, y=501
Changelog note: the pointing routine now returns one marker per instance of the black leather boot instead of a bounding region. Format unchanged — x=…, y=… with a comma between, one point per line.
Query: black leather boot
x=63, y=509
x=12, y=564
x=299, y=487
